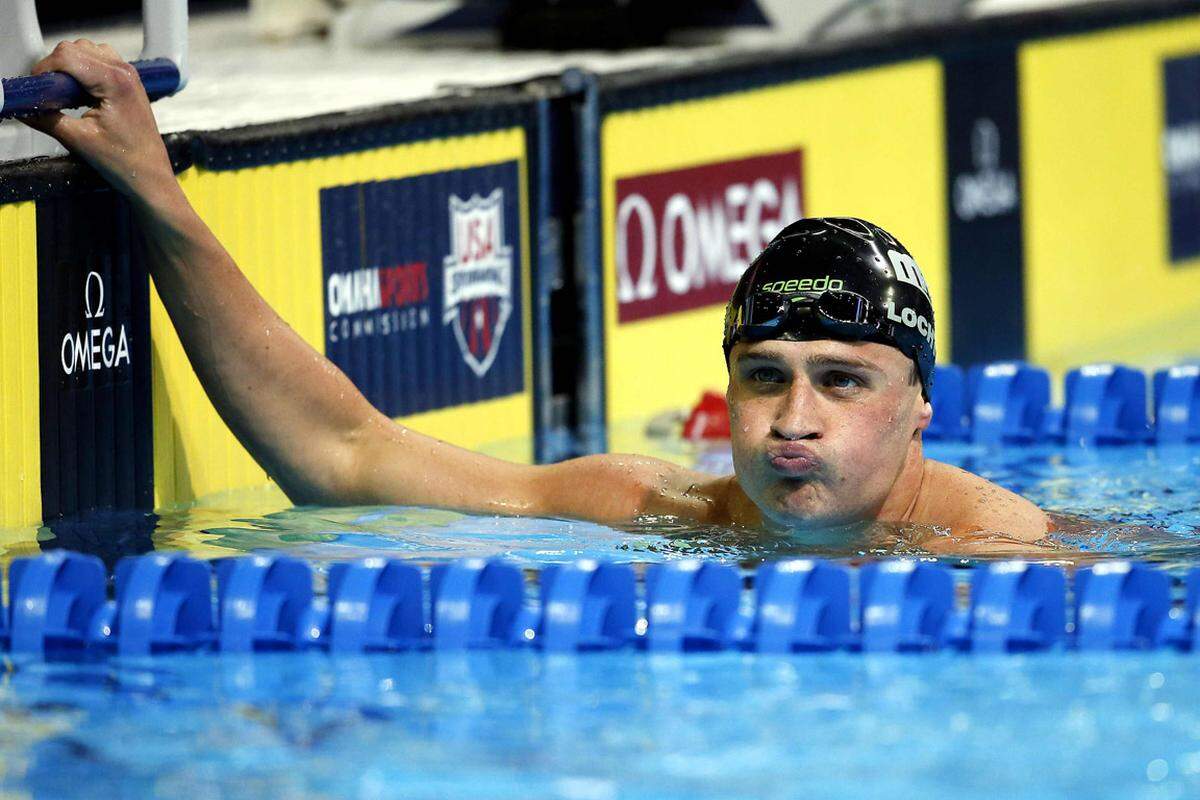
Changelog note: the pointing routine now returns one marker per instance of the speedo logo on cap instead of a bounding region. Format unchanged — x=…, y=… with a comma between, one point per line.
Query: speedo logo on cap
x=804, y=285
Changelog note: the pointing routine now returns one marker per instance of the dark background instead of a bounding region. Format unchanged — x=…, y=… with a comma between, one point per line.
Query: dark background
x=556, y=24
x=55, y=14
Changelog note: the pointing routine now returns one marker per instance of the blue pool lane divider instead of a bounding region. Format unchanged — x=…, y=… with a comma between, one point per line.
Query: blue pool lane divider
x=802, y=605
x=165, y=603
x=949, y=398
x=1177, y=404
x=691, y=606
x=1106, y=404
x=477, y=604
x=1016, y=607
x=264, y=603
x=587, y=605
x=52, y=600
x=906, y=606
x=1008, y=402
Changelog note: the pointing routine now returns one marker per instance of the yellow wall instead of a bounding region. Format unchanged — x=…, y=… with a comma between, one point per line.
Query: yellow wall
x=20, y=446
x=1099, y=283
x=269, y=219
x=872, y=147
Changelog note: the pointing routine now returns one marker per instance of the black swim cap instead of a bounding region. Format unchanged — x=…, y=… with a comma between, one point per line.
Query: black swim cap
x=835, y=278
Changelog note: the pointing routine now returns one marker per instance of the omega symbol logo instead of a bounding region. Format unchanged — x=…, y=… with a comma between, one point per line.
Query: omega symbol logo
x=93, y=299
x=985, y=145
x=990, y=190
x=97, y=347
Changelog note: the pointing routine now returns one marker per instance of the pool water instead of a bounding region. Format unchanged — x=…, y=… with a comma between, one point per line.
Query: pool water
x=1145, y=502
x=625, y=724
x=619, y=725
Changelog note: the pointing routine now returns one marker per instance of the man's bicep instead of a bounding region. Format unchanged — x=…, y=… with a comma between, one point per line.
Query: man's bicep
x=394, y=464
x=615, y=489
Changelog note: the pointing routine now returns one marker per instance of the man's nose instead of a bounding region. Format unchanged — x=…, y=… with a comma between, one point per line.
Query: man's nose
x=797, y=416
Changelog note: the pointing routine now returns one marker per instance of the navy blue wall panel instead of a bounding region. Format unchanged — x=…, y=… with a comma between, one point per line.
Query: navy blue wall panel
x=987, y=296
x=94, y=357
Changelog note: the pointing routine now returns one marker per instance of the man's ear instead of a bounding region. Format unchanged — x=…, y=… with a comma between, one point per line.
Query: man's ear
x=925, y=416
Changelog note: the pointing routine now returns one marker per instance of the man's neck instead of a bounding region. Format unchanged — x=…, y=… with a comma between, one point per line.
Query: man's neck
x=902, y=500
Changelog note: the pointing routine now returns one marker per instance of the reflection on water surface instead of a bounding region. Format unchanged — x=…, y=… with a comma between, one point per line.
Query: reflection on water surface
x=1138, y=502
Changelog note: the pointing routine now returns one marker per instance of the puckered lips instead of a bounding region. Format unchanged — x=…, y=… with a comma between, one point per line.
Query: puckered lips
x=792, y=459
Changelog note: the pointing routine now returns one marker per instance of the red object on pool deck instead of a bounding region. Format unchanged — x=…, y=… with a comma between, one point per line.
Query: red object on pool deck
x=709, y=418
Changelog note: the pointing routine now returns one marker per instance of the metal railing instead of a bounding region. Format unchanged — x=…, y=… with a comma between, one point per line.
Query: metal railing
x=162, y=66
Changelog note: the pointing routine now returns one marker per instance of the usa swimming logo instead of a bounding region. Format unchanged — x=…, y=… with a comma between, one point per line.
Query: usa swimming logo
x=424, y=302
x=478, y=280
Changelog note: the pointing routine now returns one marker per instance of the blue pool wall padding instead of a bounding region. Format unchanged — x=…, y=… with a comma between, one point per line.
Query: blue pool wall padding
x=165, y=603
x=1008, y=403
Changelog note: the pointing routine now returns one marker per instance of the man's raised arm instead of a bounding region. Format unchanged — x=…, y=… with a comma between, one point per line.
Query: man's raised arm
x=298, y=414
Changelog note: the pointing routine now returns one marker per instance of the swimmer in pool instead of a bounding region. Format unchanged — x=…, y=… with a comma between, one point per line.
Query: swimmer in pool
x=828, y=338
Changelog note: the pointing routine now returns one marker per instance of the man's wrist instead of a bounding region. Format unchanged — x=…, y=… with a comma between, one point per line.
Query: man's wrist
x=156, y=195
x=165, y=210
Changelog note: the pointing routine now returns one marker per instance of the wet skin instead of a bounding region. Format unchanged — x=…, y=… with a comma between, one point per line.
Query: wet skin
x=825, y=433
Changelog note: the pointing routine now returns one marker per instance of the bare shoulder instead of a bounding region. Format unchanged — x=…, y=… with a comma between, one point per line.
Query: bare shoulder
x=618, y=488
x=968, y=503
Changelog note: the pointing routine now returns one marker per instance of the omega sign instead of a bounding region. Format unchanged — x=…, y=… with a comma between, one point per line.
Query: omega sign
x=683, y=238
x=99, y=346
x=991, y=190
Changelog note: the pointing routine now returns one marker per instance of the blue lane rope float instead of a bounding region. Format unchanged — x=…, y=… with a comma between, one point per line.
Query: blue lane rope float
x=1106, y=404
x=1122, y=607
x=691, y=606
x=587, y=605
x=1017, y=607
x=802, y=605
x=165, y=603
x=52, y=600
x=1177, y=404
x=1008, y=402
x=476, y=604
x=373, y=605
x=949, y=398
x=264, y=603
x=906, y=606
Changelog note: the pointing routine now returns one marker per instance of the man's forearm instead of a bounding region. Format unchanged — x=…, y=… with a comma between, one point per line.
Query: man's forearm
x=289, y=406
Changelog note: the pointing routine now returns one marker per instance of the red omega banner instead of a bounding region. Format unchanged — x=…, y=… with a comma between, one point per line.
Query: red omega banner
x=684, y=237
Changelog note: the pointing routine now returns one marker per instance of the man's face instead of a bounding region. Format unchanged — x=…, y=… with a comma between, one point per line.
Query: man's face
x=821, y=429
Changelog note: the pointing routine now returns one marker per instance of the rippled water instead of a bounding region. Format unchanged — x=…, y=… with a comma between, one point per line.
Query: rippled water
x=516, y=725
x=1141, y=502
x=626, y=724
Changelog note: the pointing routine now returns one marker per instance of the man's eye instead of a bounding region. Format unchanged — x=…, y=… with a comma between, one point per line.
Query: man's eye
x=766, y=375
x=842, y=380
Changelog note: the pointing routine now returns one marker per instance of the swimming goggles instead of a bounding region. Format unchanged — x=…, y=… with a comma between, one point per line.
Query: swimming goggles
x=771, y=315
